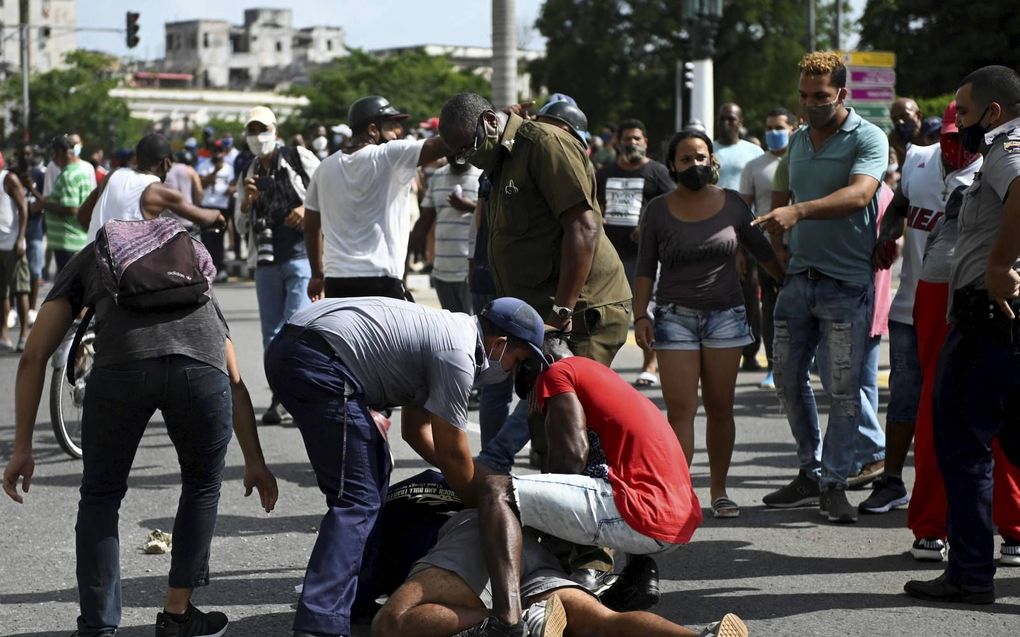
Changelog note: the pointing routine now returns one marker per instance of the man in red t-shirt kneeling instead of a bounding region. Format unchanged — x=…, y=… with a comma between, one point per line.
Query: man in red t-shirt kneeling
x=635, y=497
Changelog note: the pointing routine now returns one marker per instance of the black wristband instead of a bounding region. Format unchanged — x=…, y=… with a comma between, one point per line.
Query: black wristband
x=642, y=317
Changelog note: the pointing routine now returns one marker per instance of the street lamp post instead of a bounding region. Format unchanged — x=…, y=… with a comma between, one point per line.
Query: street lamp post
x=701, y=20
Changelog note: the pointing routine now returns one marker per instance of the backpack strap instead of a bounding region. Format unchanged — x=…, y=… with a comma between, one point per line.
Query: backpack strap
x=291, y=155
x=72, y=352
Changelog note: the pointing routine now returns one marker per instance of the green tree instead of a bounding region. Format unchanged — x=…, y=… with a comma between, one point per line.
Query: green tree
x=938, y=44
x=618, y=58
x=416, y=83
x=76, y=99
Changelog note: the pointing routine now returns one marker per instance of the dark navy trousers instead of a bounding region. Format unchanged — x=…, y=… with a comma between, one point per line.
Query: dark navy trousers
x=352, y=467
x=977, y=394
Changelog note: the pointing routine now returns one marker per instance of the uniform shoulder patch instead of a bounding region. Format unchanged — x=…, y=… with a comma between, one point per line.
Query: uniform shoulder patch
x=1011, y=145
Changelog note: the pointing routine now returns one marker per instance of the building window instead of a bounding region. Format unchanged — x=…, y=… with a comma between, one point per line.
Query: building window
x=329, y=45
x=193, y=41
x=205, y=40
x=279, y=46
x=169, y=41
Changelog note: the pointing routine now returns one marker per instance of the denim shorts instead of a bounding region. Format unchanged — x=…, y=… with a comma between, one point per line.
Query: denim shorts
x=904, y=373
x=581, y=510
x=681, y=328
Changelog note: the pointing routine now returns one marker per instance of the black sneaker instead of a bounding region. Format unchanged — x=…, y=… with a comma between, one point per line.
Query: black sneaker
x=494, y=627
x=637, y=588
x=1009, y=552
x=887, y=493
x=941, y=589
x=928, y=549
x=803, y=491
x=276, y=415
x=836, y=507
x=195, y=624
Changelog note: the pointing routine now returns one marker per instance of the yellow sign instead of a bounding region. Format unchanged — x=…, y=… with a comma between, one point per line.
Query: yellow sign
x=880, y=59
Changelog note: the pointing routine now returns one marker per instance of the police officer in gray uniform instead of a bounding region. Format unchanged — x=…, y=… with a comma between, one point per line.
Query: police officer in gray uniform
x=977, y=391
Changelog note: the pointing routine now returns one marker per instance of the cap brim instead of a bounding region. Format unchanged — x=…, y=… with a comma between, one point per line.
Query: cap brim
x=948, y=127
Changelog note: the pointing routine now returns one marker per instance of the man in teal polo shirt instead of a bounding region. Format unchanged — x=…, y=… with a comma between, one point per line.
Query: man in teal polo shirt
x=836, y=167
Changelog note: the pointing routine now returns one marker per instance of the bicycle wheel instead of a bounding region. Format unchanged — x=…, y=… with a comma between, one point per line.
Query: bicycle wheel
x=66, y=400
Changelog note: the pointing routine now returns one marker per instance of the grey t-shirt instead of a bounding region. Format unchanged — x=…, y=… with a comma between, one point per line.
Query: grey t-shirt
x=123, y=335
x=402, y=353
x=699, y=257
x=941, y=242
x=981, y=215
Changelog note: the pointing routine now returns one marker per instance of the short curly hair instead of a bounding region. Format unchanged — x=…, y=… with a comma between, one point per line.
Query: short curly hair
x=825, y=63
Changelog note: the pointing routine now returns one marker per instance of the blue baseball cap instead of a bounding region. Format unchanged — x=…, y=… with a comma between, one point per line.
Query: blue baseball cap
x=518, y=319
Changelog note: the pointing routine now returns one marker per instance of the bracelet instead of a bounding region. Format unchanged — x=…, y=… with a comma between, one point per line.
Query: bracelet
x=642, y=317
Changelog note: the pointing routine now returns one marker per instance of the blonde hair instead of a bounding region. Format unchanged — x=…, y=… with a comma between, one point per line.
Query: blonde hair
x=824, y=63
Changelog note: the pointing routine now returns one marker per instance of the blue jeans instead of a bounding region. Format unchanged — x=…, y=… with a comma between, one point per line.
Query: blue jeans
x=352, y=467
x=196, y=404
x=504, y=433
x=977, y=393
x=281, y=289
x=809, y=312
x=904, y=374
x=870, y=435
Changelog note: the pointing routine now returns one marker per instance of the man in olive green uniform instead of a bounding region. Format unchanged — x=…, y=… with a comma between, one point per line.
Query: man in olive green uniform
x=546, y=242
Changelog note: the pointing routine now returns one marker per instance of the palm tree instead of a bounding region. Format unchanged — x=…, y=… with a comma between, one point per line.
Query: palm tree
x=504, y=53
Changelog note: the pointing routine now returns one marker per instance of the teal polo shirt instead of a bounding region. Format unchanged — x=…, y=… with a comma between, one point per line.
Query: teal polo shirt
x=838, y=248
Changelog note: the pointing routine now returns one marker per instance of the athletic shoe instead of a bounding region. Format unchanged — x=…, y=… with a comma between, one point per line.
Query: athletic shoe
x=637, y=588
x=769, y=382
x=869, y=473
x=493, y=627
x=834, y=504
x=729, y=626
x=546, y=618
x=1009, y=552
x=276, y=415
x=195, y=623
x=802, y=491
x=928, y=549
x=941, y=589
x=597, y=582
x=888, y=492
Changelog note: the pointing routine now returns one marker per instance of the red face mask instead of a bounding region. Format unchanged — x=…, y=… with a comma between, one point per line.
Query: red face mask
x=953, y=153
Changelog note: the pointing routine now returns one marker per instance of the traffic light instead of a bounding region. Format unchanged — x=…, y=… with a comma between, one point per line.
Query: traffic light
x=132, y=29
x=689, y=75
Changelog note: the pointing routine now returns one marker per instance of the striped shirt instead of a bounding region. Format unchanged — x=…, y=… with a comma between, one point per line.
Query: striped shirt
x=72, y=188
x=454, y=229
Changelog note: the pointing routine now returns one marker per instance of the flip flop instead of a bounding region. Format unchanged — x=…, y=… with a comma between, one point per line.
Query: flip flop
x=723, y=507
x=646, y=380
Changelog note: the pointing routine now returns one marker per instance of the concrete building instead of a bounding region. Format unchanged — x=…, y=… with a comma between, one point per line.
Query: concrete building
x=265, y=52
x=52, y=24
x=477, y=59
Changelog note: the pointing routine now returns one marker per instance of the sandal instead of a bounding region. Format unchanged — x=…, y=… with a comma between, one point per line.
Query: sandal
x=723, y=507
x=647, y=380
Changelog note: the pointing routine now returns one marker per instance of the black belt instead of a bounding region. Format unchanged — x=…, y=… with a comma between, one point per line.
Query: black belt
x=309, y=337
x=816, y=275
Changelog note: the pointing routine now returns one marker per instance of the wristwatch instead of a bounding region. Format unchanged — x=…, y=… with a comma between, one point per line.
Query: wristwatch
x=561, y=312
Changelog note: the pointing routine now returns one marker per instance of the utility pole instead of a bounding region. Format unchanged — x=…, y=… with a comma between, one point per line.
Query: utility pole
x=504, y=53
x=23, y=25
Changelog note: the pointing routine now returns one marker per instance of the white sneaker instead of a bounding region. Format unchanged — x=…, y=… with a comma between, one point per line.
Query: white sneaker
x=1009, y=552
x=729, y=626
x=546, y=618
x=928, y=549
x=769, y=382
x=12, y=319
x=31, y=317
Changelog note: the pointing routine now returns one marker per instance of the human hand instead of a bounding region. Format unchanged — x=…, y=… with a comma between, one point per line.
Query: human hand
x=563, y=325
x=779, y=220
x=884, y=255
x=316, y=290
x=1003, y=284
x=21, y=465
x=460, y=203
x=251, y=190
x=644, y=333
x=20, y=247
x=261, y=478
x=296, y=218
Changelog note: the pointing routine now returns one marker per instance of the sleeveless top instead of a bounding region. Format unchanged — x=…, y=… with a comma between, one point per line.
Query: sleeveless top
x=121, y=198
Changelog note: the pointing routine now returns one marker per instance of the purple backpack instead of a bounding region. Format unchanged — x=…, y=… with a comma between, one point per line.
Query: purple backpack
x=153, y=265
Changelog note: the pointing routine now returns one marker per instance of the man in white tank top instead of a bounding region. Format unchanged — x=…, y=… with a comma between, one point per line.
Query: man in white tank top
x=136, y=194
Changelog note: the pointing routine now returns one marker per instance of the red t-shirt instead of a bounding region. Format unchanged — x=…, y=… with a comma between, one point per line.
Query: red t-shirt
x=647, y=469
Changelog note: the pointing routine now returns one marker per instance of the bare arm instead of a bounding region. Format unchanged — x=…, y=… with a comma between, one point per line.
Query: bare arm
x=85, y=211
x=13, y=187
x=841, y=203
x=50, y=326
x=313, y=245
x=1001, y=279
x=158, y=197
x=420, y=233
x=196, y=185
x=256, y=474
x=416, y=430
x=433, y=149
x=580, y=229
x=566, y=429
x=453, y=457
x=894, y=222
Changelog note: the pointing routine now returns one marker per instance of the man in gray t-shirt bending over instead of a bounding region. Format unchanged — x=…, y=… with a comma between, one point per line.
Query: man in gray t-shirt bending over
x=336, y=360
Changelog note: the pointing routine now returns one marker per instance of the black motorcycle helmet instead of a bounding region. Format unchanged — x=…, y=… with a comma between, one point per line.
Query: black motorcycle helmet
x=569, y=114
x=371, y=109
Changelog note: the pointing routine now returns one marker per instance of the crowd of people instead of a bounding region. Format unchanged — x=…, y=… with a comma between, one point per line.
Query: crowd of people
x=546, y=246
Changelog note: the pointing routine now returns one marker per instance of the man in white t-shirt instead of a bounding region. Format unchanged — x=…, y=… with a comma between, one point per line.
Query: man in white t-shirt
x=756, y=191
x=930, y=175
x=356, y=217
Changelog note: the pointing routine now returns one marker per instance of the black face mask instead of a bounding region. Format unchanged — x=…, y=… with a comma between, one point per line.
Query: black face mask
x=906, y=130
x=971, y=137
x=694, y=178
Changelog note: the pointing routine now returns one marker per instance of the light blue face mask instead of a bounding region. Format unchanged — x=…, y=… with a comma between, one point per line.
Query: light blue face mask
x=777, y=139
x=493, y=372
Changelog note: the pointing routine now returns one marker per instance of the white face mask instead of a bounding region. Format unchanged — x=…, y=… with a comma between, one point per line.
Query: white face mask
x=262, y=144
x=77, y=150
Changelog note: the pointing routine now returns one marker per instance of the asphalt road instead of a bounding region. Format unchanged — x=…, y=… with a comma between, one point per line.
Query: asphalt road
x=784, y=572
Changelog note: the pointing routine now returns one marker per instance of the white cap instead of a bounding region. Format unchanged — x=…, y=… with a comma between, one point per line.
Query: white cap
x=342, y=129
x=262, y=115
